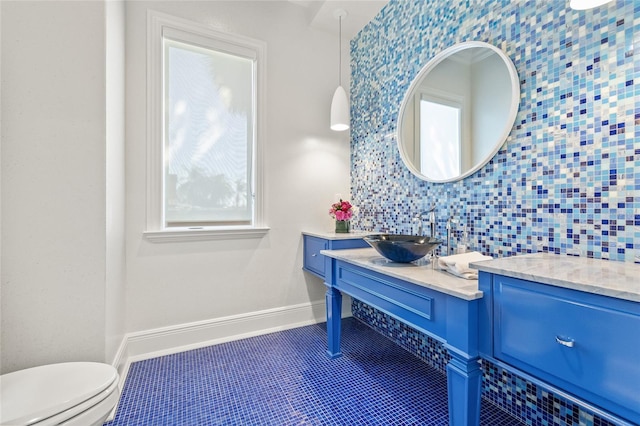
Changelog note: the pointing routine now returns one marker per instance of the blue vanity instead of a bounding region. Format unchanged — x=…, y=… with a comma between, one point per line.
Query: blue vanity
x=570, y=324
x=433, y=302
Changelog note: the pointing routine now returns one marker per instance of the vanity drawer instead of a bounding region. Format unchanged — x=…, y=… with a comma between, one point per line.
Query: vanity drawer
x=313, y=260
x=584, y=343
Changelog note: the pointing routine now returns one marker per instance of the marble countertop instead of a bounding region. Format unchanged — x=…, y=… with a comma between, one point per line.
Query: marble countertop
x=615, y=279
x=419, y=272
x=620, y=280
x=334, y=236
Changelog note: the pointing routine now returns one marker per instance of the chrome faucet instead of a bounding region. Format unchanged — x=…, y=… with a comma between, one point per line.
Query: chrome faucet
x=430, y=219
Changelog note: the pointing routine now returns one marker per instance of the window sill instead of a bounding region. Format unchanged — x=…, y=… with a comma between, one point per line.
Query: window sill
x=177, y=235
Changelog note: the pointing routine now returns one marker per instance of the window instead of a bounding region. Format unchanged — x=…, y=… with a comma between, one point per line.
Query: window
x=439, y=128
x=204, y=97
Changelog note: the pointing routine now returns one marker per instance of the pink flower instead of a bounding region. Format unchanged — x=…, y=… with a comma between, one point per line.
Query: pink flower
x=341, y=210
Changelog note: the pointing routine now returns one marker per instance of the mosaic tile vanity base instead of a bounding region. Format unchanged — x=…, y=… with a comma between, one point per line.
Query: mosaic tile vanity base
x=567, y=180
x=524, y=400
x=285, y=378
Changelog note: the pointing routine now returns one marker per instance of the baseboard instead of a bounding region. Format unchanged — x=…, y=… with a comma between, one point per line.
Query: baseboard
x=120, y=358
x=121, y=363
x=178, y=338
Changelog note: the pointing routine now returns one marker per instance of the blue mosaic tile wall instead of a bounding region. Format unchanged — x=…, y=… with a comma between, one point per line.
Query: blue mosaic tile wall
x=524, y=400
x=568, y=178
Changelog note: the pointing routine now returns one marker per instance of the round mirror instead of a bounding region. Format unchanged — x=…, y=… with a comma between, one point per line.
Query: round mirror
x=458, y=112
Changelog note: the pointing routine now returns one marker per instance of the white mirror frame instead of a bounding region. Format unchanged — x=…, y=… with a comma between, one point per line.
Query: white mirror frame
x=417, y=81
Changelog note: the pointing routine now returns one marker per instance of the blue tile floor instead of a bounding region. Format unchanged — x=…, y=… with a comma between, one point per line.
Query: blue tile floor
x=285, y=378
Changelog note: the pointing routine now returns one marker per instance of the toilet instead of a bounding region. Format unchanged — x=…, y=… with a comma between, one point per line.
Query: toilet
x=70, y=394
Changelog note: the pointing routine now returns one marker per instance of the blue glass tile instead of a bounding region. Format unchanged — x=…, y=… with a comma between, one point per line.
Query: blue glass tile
x=285, y=378
x=579, y=118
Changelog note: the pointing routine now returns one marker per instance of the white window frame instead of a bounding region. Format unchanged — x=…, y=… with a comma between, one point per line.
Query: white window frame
x=159, y=25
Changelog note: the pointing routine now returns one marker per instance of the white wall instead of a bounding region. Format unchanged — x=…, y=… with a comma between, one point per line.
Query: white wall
x=1, y=132
x=305, y=165
x=54, y=184
x=115, y=290
x=64, y=282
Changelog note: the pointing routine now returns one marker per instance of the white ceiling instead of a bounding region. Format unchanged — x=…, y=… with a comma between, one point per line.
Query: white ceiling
x=320, y=14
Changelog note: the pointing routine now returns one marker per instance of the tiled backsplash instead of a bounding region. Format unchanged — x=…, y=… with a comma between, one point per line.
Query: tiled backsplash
x=568, y=178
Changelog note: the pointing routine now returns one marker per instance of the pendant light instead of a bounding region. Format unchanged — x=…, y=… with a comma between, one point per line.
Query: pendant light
x=340, y=103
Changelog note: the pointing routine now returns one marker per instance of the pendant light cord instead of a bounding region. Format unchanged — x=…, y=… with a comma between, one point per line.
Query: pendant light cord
x=340, y=50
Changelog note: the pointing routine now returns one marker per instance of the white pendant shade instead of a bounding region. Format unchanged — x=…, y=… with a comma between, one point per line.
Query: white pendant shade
x=340, y=103
x=586, y=4
x=339, y=110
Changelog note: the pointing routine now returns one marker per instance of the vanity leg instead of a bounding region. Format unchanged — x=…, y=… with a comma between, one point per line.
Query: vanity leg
x=334, y=317
x=464, y=385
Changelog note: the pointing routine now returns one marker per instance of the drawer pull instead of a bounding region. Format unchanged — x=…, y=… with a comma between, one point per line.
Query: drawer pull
x=565, y=342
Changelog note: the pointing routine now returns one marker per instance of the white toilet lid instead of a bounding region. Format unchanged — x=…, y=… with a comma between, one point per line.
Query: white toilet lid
x=28, y=396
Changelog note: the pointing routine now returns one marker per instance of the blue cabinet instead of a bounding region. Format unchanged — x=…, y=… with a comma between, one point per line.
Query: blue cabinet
x=313, y=261
x=582, y=343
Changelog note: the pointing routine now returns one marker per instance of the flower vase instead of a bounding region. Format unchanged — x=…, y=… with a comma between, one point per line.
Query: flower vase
x=343, y=226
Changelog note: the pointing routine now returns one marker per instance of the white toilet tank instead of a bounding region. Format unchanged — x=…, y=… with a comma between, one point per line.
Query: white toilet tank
x=56, y=391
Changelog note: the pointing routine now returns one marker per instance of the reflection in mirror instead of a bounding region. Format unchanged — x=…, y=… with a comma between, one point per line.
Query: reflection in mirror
x=458, y=112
